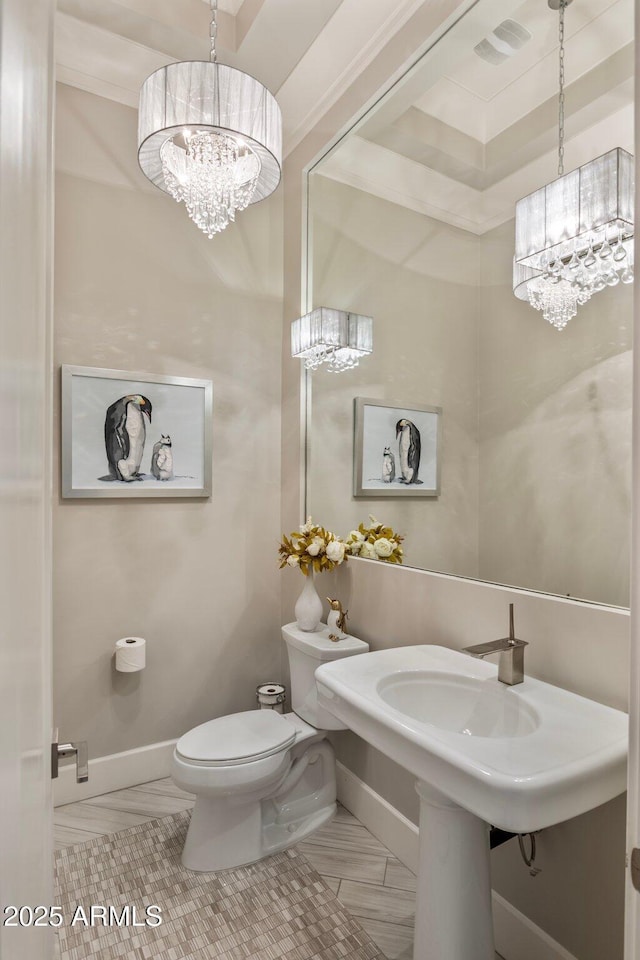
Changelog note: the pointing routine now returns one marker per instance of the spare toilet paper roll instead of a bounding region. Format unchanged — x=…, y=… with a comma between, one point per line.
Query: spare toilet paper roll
x=130, y=654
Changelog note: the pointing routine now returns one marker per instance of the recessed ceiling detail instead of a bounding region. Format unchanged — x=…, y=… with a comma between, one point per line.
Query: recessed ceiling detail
x=308, y=52
x=461, y=139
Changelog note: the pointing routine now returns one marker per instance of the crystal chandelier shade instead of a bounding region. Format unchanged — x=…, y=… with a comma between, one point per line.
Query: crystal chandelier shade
x=210, y=136
x=574, y=236
x=332, y=337
x=213, y=175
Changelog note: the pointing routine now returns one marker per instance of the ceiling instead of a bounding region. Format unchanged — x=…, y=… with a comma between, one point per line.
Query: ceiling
x=461, y=139
x=458, y=139
x=304, y=51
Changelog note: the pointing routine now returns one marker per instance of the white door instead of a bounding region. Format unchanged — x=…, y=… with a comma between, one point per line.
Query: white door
x=632, y=889
x=26, y=90
x=632, y=906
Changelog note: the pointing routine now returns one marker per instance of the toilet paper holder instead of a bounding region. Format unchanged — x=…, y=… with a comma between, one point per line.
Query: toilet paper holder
x=271, y=696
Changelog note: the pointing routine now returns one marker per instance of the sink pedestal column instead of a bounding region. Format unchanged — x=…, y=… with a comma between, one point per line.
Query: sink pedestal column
x=453, y=899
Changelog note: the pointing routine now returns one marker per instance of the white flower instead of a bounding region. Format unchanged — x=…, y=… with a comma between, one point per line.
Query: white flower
x=373, y=522
x=355, y=535
x=335, y=551
x=355, y=546
x=293, y=560
x=383, y=547
x=367, y=551
x=307, y=527
x=316, y=546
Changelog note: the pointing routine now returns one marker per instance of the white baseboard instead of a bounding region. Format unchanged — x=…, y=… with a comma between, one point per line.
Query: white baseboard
x=114, y=772
x=386, y=823
x=517, y=937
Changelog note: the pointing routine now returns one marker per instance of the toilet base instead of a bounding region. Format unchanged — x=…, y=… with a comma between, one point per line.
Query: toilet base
x=242, y=841
x=233, y=830
x=279, y=836
x=222, y=834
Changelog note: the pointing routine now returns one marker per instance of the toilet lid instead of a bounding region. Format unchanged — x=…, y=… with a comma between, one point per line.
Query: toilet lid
x=240, y=736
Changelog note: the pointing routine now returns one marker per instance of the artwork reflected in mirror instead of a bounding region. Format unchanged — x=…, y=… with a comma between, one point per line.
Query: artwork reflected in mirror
x=411, y=220
x=395, y=451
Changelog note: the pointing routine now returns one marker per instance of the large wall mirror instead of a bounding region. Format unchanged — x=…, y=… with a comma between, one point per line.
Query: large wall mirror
x=411, y=221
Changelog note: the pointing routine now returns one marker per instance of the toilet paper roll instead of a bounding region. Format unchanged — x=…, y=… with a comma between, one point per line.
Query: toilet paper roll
x=271, y=696
x=130, y=654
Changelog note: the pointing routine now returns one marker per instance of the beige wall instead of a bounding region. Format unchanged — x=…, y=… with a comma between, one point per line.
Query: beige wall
x=376, y=258
x=139, y=287
x=555, y=438
x=578, y=898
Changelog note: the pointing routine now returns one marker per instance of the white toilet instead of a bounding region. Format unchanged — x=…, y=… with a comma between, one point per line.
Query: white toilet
x=263, y=780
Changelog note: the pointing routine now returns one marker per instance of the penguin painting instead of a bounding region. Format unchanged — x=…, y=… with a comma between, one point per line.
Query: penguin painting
x=124, y=436
x=408, y=437
x=388, y=466
x=162, y=459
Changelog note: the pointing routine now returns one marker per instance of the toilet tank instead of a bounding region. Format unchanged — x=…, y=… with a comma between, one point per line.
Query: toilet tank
x=306, y=652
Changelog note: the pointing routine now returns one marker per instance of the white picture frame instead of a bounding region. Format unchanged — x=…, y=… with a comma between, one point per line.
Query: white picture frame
x=137, y=435
x=396, y=449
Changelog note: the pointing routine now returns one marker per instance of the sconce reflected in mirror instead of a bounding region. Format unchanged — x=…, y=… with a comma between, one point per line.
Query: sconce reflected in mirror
x=333, y=337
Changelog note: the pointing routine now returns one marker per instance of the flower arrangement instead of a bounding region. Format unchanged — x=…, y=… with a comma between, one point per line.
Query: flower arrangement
x=312, y=548
x=375, y=542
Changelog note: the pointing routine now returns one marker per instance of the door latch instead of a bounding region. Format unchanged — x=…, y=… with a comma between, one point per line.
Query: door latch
x=61, y=751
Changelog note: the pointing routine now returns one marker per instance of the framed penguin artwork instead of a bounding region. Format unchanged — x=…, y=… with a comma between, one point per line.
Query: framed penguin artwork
x=396, y=449
x=135, y=434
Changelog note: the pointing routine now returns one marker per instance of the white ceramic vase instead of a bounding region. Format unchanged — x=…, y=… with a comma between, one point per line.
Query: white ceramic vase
x=308, y=608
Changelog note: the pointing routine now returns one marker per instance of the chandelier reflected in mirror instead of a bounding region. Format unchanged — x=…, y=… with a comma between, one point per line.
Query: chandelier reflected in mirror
x=210, y=136
x=574, y=236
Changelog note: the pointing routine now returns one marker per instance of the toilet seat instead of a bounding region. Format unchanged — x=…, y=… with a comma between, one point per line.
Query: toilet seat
x=239, y=738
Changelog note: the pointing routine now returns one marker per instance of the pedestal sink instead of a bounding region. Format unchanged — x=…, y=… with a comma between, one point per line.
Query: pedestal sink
x=520, y=758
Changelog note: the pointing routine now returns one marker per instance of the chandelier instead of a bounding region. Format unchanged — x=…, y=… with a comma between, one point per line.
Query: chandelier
x=210, y=136
x=574, y=236
x=332, y=337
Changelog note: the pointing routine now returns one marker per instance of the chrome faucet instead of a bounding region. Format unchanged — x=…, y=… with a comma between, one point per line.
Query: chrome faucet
x=511, y=650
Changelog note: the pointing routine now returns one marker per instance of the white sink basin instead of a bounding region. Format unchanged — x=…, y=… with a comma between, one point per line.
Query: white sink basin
x=466, y=705
x=520, y=758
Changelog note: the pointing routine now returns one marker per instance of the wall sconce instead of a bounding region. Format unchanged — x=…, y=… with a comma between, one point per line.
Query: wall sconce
x=334, y=337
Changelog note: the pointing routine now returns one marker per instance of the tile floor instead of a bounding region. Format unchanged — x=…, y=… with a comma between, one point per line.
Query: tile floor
x=369, y=881
x=277, y=909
